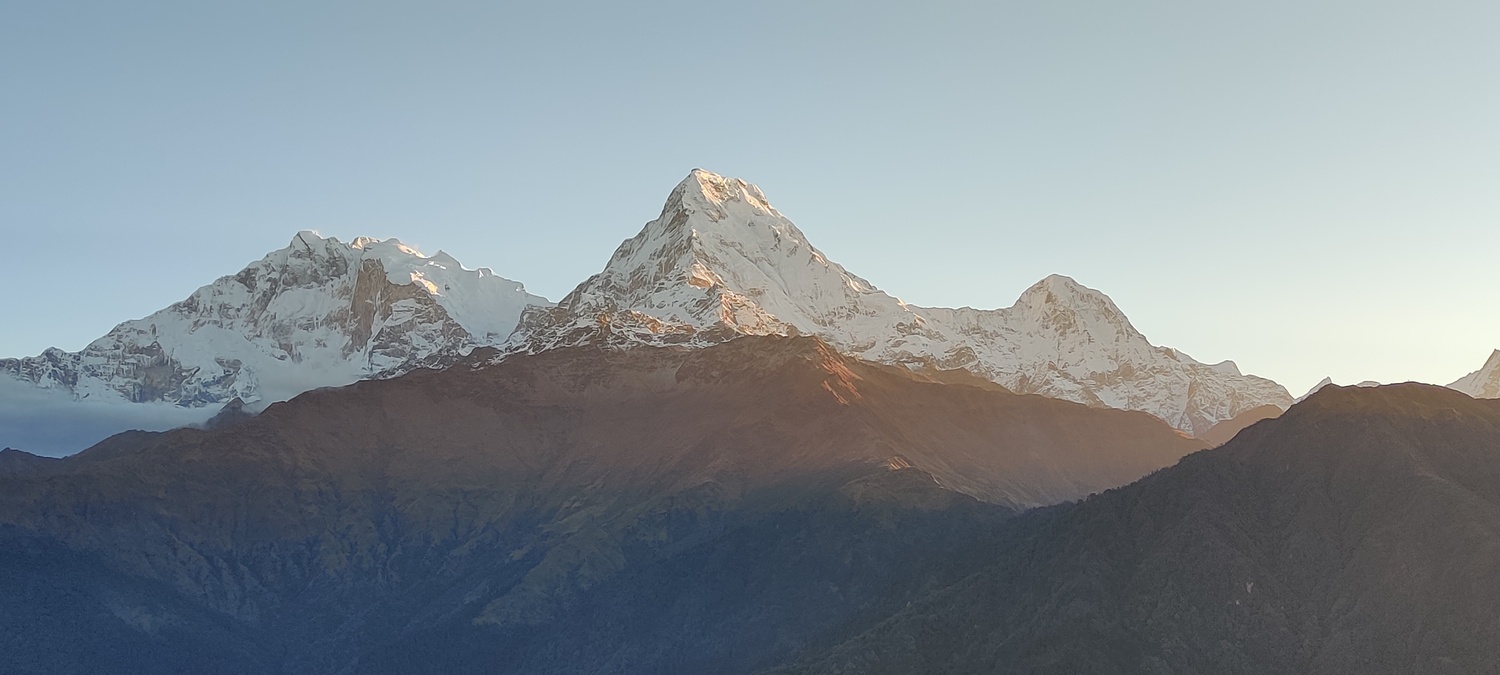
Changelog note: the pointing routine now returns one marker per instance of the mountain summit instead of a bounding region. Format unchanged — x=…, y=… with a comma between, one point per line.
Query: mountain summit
x=720, y=262
x=1482, y=383
x=318, y=312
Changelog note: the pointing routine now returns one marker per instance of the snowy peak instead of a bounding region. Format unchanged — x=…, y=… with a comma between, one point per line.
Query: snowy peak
x=1058, y=303
x=315, y=313
x=716, y=196
x=717, y=263
x=720, y=262
x=1482, y=383
x=1058, y=290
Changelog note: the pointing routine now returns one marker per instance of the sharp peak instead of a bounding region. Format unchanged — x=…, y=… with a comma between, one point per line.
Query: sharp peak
x=707, y=206
x=698, y=176
x=712, y=191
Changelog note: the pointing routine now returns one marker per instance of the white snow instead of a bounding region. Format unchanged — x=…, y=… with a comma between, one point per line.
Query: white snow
x=1482, y=383
x=720, y=261
x=316, y=313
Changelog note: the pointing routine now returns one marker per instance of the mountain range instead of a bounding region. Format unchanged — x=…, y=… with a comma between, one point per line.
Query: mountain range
x=724, y=453
x=316, y=313
x=718, y=263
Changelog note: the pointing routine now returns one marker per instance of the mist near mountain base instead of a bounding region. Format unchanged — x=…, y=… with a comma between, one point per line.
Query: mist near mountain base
x=54, y=424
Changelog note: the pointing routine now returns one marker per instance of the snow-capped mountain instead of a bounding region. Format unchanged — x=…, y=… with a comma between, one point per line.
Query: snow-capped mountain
x=1482, y=383
x=316, y=313
x=720, y=262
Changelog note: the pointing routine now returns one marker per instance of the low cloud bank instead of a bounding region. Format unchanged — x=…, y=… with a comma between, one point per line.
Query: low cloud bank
x=54, y=424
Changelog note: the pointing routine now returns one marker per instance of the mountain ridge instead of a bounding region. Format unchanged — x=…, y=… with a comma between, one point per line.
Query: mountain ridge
x=507, y=503
x=720, y=261
x=1355, y=533
x=315, y=313
x=1482, y=383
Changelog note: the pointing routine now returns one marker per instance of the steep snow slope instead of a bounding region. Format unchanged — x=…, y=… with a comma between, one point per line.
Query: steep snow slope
x=316, y=313
x=1482, y=383
x=721, y=262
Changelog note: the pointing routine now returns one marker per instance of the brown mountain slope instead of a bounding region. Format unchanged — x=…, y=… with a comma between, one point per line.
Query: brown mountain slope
x=1357, y=533
x=751, y=411
x=17, y=462
x=1223, y=431
x=506, y=492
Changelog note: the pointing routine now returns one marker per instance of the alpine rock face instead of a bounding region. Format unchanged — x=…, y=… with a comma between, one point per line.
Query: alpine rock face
x=1482, y=383
x=721, y=262
x=316, y=313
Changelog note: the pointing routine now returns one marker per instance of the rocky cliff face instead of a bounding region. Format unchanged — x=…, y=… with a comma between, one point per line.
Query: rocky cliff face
x=316, y=313
x=721, y=262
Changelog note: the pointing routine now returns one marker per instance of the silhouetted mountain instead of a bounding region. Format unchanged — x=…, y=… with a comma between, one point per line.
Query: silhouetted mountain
x=638, y=510
x=1357, y=533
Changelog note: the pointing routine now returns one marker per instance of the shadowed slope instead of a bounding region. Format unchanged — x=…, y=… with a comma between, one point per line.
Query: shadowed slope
x=505, y=499
x=1359, y=532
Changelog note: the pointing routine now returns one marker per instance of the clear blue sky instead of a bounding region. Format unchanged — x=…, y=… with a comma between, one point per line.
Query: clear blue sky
x=1307, y=188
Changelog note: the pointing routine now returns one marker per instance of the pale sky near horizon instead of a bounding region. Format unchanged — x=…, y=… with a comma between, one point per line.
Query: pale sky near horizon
x=1308, y=189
